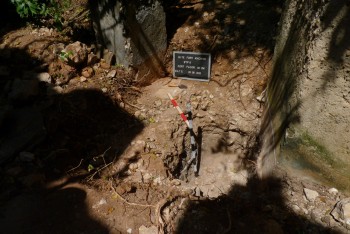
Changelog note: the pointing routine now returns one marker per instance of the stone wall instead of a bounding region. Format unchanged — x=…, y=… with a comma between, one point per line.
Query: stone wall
x=135, y=32
x=309, y=90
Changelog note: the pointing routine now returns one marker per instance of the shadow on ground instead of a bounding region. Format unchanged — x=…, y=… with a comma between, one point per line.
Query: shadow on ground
x=47, y=135
x=258, y=207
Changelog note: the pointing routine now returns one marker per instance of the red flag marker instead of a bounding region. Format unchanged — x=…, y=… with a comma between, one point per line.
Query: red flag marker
x=183, y=116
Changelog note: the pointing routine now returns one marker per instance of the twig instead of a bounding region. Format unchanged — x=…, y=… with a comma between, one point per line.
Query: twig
x=211, y=47
x=131, y=203
x=127, y=202
x=149, y=70
x=81, y=160
x=98, y=170
x=259, y=64
x=129, y=104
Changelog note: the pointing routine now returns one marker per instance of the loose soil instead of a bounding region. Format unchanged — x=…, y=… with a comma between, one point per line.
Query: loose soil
x=114, y=156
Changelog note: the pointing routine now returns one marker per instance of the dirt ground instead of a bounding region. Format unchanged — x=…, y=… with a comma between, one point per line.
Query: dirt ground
x=114, y=155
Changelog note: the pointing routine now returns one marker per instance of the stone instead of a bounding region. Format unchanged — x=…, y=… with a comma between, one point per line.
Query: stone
x=101, y=202
x=111, y=74
x=108, y=57
x=133, y=166
x=198, y=192
x=104, y=65
x=176, y=182
x=140, y=163
x=21, y=90
x=104, y=90
x=341, y=211
x=326, y=220
x=158, y=103
x=310, y=195
x=83, y=79
x=333, y=191
x=87, y=72
x=148, y=230
x=157, y=181
x=77, y=53
x=44, y=77
x=147, y=177
x=92, y=59
x=296, y=208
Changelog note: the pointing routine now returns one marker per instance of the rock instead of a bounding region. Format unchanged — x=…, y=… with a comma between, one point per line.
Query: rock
x=129, y=230
x=99, y=203
x=108, y=57
x=326, y=220
x=87, y=72
x=44, y=77
x=341, y=211
x=148, y=230
x=157, y=181
x=62, y=72
x=158, y=103
x=92, y=59
x=176, y=182
x=41, y=77
x=140, y=163
x=198, y=192
x=25, y=129
x=83, y=79
x=104, y=90
x=104, y=65
x=333, y=191
x=75, y=81
x=56, y=48
x=137, y=113
x=310, y=195
x=21, y=90
x=133, y=166
x=296, y=208
x=147, y=177
x=111, y=74
x=77, y=53
x=204, y=105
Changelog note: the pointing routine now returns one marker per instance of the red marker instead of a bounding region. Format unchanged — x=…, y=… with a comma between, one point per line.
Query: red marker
x=183, y=116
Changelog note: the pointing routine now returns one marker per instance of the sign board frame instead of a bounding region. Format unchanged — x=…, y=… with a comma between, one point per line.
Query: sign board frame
x=189, y=60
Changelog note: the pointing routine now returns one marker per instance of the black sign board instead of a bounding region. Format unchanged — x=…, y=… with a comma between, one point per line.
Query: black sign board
x=191, y=65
